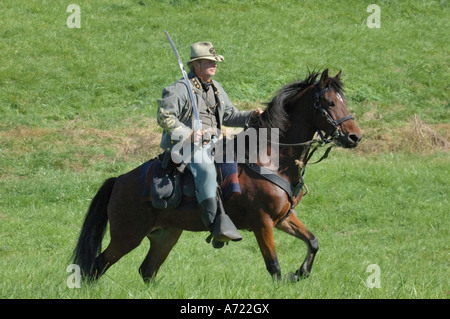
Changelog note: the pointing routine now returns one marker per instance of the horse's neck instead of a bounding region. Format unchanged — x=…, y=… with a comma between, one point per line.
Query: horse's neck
x=287, y=161
x=292, y=158
x=291, y=163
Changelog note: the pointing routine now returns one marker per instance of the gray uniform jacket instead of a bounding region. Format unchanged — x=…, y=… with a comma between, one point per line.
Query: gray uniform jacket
x=175, y=111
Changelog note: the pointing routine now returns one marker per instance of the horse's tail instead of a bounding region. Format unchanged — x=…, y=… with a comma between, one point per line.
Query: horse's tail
x=90, y=241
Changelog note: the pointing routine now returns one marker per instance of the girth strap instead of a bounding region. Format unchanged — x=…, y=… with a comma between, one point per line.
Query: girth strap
x=291, y=190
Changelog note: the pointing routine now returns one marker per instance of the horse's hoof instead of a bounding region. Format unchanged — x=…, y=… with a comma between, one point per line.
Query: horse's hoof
x=290, y=277
x=302, y=274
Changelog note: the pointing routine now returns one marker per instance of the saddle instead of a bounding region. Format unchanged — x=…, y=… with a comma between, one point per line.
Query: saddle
x=168, y=188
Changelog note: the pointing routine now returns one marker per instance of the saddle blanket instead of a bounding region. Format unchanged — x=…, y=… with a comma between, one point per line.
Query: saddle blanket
x=230, y=180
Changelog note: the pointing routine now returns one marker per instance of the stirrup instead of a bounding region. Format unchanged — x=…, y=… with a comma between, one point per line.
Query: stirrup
x=224, y=229
x=215, y=243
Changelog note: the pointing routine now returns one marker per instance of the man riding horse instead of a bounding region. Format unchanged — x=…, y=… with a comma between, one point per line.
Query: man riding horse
x=214, y=109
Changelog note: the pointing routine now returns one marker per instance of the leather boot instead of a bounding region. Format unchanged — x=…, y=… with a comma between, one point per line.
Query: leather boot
x=209, y=211
x=224, y=228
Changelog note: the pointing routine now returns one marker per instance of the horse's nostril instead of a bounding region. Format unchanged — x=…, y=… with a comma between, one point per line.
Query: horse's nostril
x=355, y=138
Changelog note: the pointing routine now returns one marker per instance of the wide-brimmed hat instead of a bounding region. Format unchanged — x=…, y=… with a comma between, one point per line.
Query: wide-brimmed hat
x=204, y=51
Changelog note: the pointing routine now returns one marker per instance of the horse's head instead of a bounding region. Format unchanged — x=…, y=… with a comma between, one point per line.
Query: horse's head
x=304, y=107
x=332, y=116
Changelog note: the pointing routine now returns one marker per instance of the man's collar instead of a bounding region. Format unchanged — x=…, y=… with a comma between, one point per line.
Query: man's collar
x=198, y=83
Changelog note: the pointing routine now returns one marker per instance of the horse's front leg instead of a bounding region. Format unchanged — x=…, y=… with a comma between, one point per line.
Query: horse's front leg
x=293, y=226
x=266, y=242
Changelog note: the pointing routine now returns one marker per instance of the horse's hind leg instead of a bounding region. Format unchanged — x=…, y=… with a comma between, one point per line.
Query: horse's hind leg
x=161, y=243
x=117, y=248
x=293, y=226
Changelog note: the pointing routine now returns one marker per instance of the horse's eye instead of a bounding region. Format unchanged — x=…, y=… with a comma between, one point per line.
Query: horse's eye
x=331, y=103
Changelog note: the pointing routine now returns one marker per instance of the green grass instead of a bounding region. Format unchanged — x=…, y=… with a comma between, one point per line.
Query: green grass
x=119, y=60
x=383, y=211
x=78, y=106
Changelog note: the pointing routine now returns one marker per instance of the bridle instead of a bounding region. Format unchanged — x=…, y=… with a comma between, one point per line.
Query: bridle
x=331, y=135
x=323, y=111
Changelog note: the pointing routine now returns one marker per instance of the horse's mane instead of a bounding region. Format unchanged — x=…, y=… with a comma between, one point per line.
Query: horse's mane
x=276, y=113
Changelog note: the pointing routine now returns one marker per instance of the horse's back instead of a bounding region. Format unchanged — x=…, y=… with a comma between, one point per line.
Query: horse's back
x=130, y=206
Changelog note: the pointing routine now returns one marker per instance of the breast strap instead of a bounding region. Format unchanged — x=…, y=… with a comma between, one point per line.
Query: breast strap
x=292, y=191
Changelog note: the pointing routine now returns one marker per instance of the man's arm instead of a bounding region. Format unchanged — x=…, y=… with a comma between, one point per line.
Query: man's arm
x=171, y=107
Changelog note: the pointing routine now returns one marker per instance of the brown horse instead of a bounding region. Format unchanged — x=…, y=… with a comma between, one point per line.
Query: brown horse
x=299, y=110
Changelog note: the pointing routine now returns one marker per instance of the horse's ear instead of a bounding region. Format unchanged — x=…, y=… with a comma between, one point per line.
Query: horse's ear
x=324, y=79
x=338, y=76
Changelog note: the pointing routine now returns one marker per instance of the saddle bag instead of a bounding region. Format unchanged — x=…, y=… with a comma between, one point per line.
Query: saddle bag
x=169, y=185
x=166, y=192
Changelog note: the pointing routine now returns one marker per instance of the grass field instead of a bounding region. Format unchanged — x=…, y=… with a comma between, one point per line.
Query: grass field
x=77, y=105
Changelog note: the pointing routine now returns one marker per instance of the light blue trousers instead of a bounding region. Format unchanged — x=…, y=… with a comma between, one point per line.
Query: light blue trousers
x=203, y=169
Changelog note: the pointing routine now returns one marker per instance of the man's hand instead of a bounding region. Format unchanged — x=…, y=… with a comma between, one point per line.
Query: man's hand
x=201, y=136
x=256, y=113
x=197, y=136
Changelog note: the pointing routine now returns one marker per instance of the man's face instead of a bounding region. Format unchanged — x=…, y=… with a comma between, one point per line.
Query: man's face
x=205, y=69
